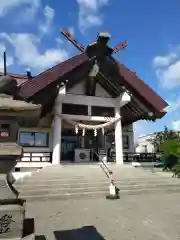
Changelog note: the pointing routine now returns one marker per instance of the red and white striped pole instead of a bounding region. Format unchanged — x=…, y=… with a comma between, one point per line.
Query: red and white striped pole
x=113, y=190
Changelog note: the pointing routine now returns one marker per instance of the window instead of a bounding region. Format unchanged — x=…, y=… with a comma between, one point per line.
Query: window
x=74, y=109
x=5, y=126
x=102, y=111
x=125, y=142
x=34, y=139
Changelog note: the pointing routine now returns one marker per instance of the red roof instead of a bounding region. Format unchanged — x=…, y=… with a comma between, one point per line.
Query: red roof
x=142, y=88
x=41, y=81
x=36, y=84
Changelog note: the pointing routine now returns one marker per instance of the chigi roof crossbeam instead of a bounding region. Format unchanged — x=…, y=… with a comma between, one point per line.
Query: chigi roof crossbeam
x=102, y=39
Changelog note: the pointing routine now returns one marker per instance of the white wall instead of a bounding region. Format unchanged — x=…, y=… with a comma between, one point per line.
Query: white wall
x=142, y=149
x=79, y=89
x=101, y=92
x=145, y=141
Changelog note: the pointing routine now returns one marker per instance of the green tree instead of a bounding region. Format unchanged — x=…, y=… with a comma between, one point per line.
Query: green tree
x=163, y=136
x=168, y=143
x=170, y=147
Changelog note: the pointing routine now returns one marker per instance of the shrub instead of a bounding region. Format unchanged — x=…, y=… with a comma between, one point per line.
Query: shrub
x=170, y=161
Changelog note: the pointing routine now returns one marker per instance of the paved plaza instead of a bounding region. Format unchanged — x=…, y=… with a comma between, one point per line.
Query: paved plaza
x=141, y=217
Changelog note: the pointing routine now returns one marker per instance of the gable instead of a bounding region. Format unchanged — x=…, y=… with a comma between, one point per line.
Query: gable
x=101, y=92
x=79, y=89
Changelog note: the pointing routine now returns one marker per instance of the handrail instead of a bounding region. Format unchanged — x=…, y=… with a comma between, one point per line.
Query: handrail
x=109, y=175
x=109, y=171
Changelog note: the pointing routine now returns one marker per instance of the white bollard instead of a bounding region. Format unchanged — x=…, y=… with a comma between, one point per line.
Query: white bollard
x=113, y=190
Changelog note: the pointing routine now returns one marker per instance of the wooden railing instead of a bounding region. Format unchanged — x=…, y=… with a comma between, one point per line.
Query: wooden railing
x=36, y=157
x=137, y=157
x=140, y=157
x=128, y=157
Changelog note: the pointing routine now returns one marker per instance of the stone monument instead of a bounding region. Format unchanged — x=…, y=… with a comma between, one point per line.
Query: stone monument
x=13, y=224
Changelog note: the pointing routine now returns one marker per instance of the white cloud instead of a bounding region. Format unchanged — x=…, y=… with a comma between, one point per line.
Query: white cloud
x=164, y=61
x=176, y=125
x=173, y=105
x=29, y=13
x=27, y=53
x=9, y=59
x=170, y=76
x=143, y=127
x=168, y=68
x=89, y=13
x=49, y=14
x=8, y=5
x=59, y=41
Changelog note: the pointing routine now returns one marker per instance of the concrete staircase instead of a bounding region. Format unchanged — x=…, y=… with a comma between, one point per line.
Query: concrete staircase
x=89, y=181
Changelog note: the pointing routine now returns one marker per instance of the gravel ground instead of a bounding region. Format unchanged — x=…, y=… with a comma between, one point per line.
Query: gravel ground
x=143, y=217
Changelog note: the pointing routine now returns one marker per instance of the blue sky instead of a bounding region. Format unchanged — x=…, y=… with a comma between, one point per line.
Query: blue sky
x=29, y=30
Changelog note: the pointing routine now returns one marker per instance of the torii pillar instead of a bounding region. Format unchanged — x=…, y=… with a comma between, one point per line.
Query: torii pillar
x=122, y=100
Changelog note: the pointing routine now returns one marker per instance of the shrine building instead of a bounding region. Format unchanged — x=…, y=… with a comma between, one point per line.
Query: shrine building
x=88, y=105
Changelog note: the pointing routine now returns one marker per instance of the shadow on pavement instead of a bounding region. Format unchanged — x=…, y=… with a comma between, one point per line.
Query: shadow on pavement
x=84, y=233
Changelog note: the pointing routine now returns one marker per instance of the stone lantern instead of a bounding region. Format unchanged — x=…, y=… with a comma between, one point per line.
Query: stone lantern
x=12, y=209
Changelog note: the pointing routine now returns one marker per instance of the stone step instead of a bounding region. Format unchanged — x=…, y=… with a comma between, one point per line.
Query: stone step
x=82, y=174
x=54, y=180
x=77, y=169
x=64, y=173
x=93, y=184
x=81, y=189
x=39, y=177
x=64, y=191
x=84, y=181
x=100, y=172
x=98, y=194
x=95, y=169
x=105, y=182
x=87, y=165
x=89, y=169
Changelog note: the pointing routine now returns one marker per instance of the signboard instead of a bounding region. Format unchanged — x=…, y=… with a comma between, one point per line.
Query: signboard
x=4, y=134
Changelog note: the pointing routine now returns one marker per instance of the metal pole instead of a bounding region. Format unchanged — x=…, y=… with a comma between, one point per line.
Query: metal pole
x=5, y=66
